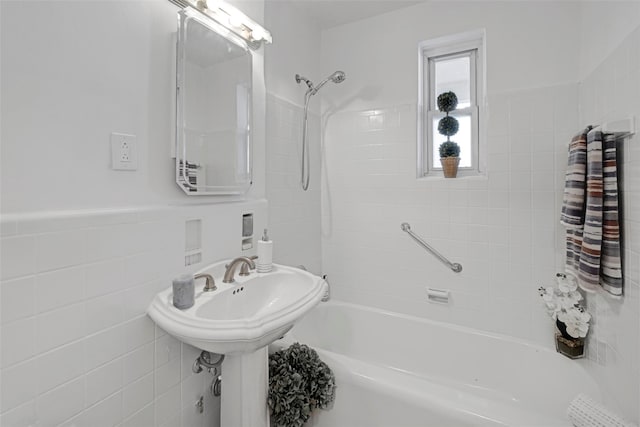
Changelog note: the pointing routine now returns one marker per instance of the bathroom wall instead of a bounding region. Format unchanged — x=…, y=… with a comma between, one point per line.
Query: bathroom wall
x=294, y=214
x=77, y=347
x=92, y=77
x=84, y=248
x=502, y=228
x=609, y=91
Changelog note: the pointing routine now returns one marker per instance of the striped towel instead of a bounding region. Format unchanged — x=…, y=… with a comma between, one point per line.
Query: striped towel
x=610, y=261
x=593, y=250
x=573, y=208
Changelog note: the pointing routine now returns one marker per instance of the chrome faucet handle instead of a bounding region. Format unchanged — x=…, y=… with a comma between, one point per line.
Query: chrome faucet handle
x=231, y=269
x=210, y=283
x=244, y=270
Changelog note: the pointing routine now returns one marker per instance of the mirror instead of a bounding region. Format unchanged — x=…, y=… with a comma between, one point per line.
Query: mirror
x=213, y=108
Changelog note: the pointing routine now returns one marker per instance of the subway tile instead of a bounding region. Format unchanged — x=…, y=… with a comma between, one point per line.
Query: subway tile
x=59, y=327
x=104, y=312
x=138, y=331
x=167, y=376
x=61, y=249
x=104, y=347
x=105, y=277
x=107, y=413
x=143, y=418
x=167, y=405
x=23, y=415
x=61, y=403
x=18, y=385
x=60, y=288
x=167, y=349
x=137, y=395
x=18, y=256
x=59, y=366
x=18, y=299
x=106, y=242
x=137, y=299
x=138, y=363
x=8, y=227
x=103, y=381
x=18, y=341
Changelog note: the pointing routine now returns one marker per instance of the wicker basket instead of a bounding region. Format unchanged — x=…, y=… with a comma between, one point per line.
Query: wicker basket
x=450, y=166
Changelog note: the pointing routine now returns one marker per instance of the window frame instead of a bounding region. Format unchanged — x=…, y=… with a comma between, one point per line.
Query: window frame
x=470, y=44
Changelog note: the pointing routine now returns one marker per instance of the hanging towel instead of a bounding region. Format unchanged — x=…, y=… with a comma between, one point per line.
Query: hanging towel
x=593, y=250
x=610, y=261
x=573, y=203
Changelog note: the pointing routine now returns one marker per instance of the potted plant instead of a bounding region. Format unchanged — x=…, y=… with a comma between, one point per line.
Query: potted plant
x=449, y=158
x=448, y=126
x=572, y=319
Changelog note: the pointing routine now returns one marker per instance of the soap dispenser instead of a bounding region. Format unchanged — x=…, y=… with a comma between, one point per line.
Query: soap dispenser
x=265, y=254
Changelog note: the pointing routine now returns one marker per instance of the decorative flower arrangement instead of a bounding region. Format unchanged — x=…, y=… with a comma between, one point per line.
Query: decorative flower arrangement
x=563, y=305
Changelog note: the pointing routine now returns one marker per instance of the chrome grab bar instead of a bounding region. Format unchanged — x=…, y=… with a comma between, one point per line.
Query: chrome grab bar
x=454, y=266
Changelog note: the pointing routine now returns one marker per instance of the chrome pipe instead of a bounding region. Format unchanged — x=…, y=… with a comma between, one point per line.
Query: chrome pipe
x=454, y=266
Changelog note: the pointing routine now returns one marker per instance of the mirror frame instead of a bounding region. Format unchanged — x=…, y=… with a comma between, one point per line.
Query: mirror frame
x=180, y=144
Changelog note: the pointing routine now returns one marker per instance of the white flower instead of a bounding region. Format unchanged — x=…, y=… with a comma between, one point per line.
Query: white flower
x=563, y=304
x=577, y=322
x=567, y=284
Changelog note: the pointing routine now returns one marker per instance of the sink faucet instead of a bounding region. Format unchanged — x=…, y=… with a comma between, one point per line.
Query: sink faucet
x=233, y=265
x=209, y=285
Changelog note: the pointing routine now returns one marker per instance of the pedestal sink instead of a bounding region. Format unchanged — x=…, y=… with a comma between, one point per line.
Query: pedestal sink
x=240, y=320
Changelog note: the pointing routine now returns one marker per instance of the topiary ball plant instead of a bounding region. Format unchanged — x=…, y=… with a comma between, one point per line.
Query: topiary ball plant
x=448, y=126
x=449, y=149
x=447, y=101
x=299, y=382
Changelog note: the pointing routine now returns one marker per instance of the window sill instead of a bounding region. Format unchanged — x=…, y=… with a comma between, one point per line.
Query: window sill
x=470, y=176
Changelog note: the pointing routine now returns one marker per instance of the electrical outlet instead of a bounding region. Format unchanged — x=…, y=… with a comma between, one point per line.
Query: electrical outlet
x=124, y=154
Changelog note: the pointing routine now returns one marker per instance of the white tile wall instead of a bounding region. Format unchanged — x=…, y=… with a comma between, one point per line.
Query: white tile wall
x=612, y=92
x=77, y=347
x=500, y=227
x=294, y=215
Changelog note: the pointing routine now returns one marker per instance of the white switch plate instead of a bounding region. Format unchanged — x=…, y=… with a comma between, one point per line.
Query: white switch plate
x=124, y=152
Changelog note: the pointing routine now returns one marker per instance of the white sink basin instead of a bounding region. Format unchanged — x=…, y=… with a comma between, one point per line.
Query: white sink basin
x=240, y=317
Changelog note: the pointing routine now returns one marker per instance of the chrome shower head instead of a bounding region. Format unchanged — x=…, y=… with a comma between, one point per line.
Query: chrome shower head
x=337, y=77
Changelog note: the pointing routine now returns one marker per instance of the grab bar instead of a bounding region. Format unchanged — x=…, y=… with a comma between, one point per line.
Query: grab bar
x=454, y=266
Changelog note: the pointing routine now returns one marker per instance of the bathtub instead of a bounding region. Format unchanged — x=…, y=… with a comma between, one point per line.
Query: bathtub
x=394, y=370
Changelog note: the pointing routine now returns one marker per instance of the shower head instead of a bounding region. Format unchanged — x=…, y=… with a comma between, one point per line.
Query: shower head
x=337, y=77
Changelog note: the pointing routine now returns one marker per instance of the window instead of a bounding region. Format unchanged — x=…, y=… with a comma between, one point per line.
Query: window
x=452, y=63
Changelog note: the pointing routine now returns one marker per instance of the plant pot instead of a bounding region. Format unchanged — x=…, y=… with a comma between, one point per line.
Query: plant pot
x=572, y=348
x=567, y=345
x=450, y=166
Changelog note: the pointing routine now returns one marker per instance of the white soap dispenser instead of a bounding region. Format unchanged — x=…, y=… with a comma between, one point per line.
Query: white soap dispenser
x=265, y=254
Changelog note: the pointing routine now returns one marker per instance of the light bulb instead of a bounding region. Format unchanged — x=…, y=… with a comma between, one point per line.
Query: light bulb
x=257, y=34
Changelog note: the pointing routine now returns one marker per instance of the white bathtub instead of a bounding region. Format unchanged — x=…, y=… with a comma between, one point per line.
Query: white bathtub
x=394, y=370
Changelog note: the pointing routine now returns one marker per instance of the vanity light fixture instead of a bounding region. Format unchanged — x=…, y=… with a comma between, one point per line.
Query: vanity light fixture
x=231, y=18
